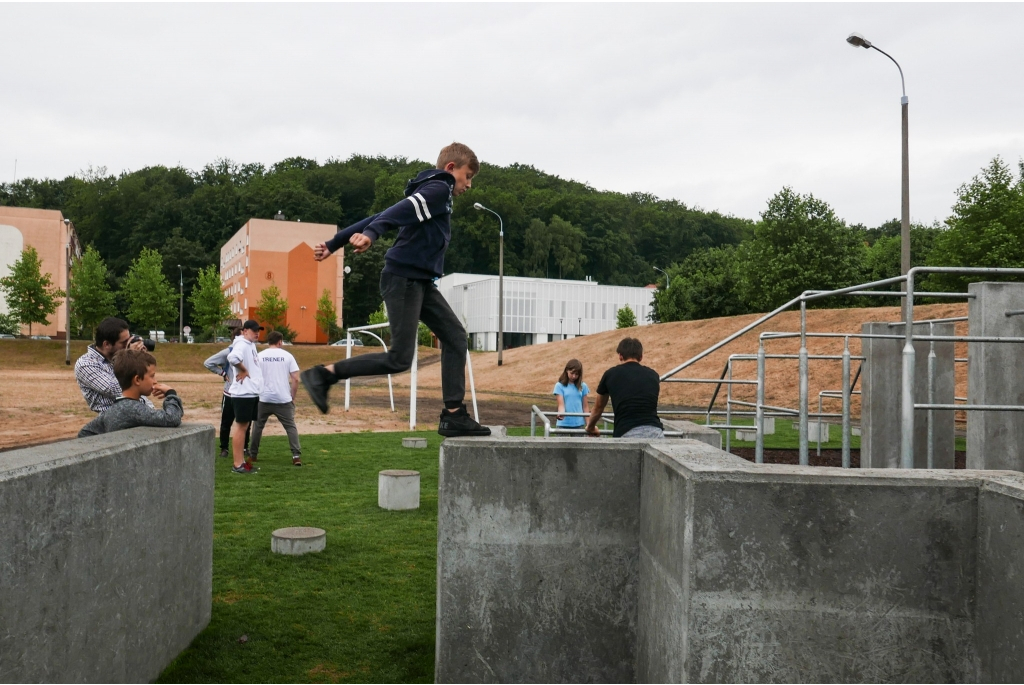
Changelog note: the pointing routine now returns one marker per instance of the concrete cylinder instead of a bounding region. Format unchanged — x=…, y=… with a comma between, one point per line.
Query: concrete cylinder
x=414, y=443
x=298, y=540
x=398, y=490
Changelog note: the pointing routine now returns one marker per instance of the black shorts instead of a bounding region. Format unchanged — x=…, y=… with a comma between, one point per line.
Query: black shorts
x=245, y=408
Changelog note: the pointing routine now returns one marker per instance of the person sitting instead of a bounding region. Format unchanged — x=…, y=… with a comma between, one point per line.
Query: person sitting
x=136, y=375
x=634, y=390
x=94, y=370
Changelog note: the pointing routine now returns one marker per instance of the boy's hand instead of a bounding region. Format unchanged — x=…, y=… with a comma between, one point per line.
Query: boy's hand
x=241, y=375
x=160, y=390
x=320, y=252
x=360, y=242
x=592, y=430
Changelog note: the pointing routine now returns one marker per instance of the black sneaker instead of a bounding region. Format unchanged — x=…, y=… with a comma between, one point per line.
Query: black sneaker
x=224, y=453
x=317, y=383
x=246, y=467
x=460, y=424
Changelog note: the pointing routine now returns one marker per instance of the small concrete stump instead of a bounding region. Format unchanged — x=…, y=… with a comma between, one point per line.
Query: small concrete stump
x=855, y=430
x=769, y=425
x=812, y=430
x=748, y=435
x=398, y=490
x=414, y=443
x=298, y=540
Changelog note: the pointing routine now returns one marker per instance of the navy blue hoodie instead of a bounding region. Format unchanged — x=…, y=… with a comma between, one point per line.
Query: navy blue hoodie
x=424, y=225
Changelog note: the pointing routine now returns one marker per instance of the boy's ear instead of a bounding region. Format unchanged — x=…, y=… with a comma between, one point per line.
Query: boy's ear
x=137, y=380
x=449, y=167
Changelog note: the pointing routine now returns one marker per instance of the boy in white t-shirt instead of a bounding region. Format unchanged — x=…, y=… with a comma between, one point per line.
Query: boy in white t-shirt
x=277, y=397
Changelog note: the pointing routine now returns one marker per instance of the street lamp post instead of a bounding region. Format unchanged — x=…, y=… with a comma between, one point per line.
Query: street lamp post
x=668, y=283
x=501, y=277
x=181, y=304
x=859, y=41
x=67, y=295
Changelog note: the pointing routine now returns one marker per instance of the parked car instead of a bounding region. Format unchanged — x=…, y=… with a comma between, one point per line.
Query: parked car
x=344, y=343
x=7, y=335
x=222, y=340
x=39, y=337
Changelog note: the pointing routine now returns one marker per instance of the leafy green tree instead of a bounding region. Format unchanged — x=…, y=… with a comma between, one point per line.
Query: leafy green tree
x=327, y=316
x=538, y=249
x=800, y=244
x=625, y=317
x=272, y=309
x=92, y=299
x=706, y=284
x=567, y=247
x=152, y=302
x=986, y=228
x=210, y=306
x=9, y=324
x=30, y=294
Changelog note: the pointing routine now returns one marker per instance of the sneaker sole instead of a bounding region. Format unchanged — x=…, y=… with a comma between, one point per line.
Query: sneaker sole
x=321, y=405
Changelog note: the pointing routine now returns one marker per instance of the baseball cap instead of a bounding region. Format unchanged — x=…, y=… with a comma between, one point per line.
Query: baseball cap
x=252, y=325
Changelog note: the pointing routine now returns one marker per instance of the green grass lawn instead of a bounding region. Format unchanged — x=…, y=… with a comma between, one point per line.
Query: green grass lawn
x=362, y=610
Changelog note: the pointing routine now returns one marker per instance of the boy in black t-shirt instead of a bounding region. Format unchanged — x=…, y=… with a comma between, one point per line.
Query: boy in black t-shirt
x=633, y=389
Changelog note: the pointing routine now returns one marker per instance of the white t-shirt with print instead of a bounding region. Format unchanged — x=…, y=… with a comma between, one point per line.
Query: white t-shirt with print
x=277, y=366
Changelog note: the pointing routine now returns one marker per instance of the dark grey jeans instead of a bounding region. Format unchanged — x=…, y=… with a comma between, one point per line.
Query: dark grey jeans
x=285, y=413
x=408, y=302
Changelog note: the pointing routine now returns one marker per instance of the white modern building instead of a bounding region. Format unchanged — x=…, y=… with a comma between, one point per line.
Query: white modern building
x=539, y=310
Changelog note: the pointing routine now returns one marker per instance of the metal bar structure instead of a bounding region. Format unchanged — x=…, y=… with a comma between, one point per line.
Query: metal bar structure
x=348, y=355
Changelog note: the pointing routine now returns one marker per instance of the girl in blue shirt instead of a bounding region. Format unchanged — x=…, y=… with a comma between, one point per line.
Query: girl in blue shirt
x=572, y=395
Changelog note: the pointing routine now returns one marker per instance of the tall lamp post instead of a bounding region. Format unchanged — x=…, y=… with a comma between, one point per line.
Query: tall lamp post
x=668, y=283
x=67, y=295
x=501, y=277
x=859, y=41
x=181, y=304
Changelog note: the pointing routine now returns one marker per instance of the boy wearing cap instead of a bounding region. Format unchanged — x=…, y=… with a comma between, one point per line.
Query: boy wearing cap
x=423, y=220
x=245, y=389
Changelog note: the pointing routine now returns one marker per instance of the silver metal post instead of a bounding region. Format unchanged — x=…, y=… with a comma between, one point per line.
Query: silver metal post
x=348, y=382
x=728, y=408
x=759, y=419
x=846, y=403
x=472, y=388
x=907, y=410
x=804, y=456
x=931, y=398
x=412, y=385
x=818, y=451
x=67, y=300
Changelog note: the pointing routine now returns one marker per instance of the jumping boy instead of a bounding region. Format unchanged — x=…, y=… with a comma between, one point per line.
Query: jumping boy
x=423, y=220
x=135, y=371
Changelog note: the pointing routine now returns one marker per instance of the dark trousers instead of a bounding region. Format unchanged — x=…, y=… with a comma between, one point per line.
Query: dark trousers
x=227, y=417
x=408, y=302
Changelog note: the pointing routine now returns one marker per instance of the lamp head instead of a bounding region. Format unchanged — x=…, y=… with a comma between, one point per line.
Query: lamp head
x=348, y=269
x=477, y=206
x=858, y=41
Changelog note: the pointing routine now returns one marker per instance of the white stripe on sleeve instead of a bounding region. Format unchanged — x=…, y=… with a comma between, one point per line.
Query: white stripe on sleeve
x=419, y=214
x=425, y=210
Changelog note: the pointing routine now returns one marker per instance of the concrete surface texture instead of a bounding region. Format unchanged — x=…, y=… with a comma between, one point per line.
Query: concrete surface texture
x=881, y=397
x=694, y=431
x=572, y=560
x=298, y=540
x=107, y=554
x=398, y=489
x=995, y=439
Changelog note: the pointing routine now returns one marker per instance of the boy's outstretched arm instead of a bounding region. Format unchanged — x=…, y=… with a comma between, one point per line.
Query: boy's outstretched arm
x=429, y=201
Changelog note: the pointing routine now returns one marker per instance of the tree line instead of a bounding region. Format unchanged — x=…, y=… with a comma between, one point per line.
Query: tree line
x=138, y=226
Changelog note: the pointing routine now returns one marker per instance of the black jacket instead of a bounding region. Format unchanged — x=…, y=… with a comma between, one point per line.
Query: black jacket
x=423, y=220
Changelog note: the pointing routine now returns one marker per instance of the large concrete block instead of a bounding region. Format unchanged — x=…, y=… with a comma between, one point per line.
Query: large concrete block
x=106, y=554
x=688, y=430
x=882, y=397
x=995, y=439
x=537, y=560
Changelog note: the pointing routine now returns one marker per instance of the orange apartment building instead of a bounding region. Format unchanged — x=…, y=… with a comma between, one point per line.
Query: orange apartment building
x=56, y=242
x=268, y=252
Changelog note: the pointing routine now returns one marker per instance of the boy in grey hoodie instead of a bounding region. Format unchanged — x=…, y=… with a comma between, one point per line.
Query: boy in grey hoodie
x=135, y=371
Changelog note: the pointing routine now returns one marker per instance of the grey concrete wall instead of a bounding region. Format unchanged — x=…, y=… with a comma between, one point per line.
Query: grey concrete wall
x=995, y=440
x=882, y=398
x=106, y=554
x=1000, y=628
x=693, y=431
x=537, y=560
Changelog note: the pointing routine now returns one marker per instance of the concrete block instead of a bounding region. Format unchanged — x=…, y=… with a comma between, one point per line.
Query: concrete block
x=882, y=397
x=106, y=554
x=746, y=435
x=688, y=430
x=414, y=443
x=812, y=430
x=855, y=430
x=769, y=425
x=298, y=540
x=398, y=489
x=995, y=439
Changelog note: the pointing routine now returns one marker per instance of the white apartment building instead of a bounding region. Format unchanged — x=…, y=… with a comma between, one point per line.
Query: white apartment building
x=539, y=310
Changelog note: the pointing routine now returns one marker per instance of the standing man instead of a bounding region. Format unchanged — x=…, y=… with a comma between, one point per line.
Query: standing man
x=245, y=389
x=218, y=364
x=634, y=390
x=94, y=370
x=277, y=398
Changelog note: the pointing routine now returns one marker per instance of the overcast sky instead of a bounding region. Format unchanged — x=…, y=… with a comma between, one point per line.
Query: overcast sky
x=716, y=105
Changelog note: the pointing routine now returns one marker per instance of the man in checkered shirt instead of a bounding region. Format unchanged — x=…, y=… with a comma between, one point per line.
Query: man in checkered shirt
x=94, y=370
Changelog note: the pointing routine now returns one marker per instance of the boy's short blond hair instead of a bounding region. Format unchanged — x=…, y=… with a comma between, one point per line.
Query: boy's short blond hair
x=131, y=363
x=461, y=155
